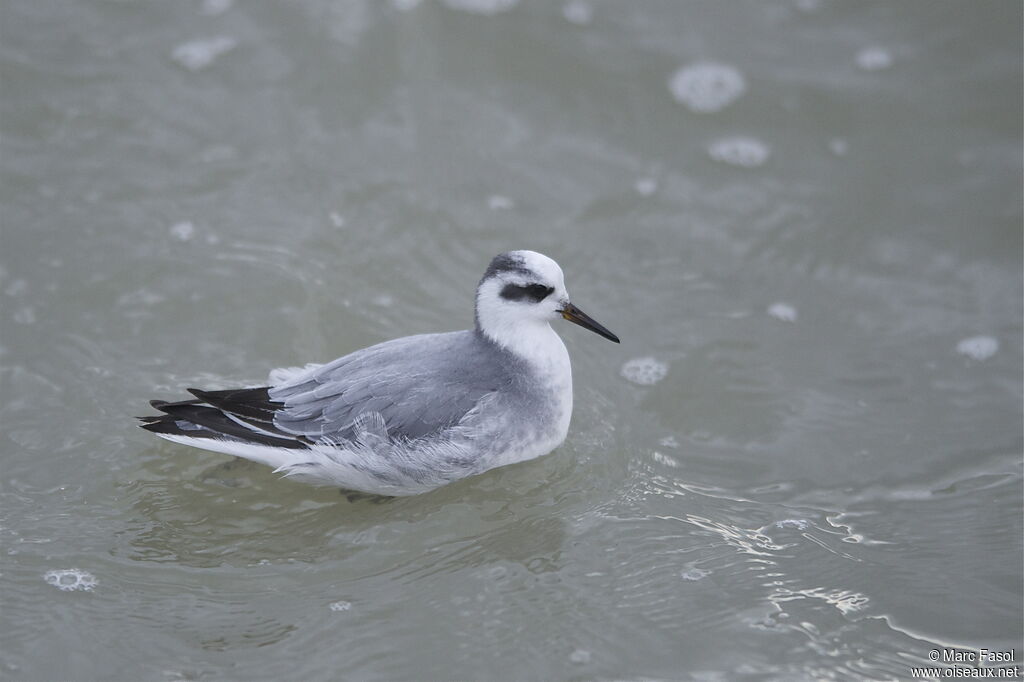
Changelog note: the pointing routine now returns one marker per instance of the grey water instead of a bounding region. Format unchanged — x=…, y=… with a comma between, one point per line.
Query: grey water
x=802, y=217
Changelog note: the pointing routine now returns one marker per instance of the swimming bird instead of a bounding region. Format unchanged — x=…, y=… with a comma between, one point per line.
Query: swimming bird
x=412, y=414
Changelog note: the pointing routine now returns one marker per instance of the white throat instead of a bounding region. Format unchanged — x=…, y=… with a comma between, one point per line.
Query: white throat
x=532, y=340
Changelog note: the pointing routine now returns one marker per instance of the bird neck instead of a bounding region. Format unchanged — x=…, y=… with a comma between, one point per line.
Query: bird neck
x=532, y=340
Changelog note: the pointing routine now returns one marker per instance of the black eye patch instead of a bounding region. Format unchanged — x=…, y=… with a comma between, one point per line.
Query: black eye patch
x=530, y=292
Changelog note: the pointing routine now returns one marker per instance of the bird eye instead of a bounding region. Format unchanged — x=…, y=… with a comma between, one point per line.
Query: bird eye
x=532, y=292
x=538, y=292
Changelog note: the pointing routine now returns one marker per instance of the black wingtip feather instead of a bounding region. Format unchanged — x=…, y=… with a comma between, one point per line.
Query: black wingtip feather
x=163, y=425
x=251, y=403
x=213, y=423
x=162, y=405
x=169, y=425
x=214, y=415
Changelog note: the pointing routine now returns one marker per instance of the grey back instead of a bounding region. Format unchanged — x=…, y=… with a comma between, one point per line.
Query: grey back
x=418, y=384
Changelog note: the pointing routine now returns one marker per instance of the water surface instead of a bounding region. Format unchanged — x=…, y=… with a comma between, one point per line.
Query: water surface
x=802, y=217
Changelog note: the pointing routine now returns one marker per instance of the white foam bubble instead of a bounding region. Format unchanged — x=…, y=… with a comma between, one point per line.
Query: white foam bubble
x=16, y=288
x=341, y=606
x=70, y=579
x=669, y=442
x=978, y=347
x=838, y=146
x=183, y=231
x=218, y=153
x=578, y=12
x=139, y=298
x=665, y=460
x=746, y=152
x=200, y=54
x=798, y=524
x=644, y=371
x=808, y=5
x=874, y=59
x=214, y=8
x=497, y=202
x=645, y=186
x=580, y=656
x=337, y=220
x=486, y=7
x=783, y=312
x=26, y=315
x=707, y=87
x=694, y=574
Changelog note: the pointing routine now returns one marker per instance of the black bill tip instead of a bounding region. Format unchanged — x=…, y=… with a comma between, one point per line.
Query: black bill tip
x=577, y=316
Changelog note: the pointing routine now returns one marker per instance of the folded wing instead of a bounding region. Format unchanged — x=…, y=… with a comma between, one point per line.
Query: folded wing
x=419, y=385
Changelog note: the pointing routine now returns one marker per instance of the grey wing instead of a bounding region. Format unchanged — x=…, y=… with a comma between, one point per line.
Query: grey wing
x=419, y=385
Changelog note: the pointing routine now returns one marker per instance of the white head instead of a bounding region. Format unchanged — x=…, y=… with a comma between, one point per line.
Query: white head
x=520, y=294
